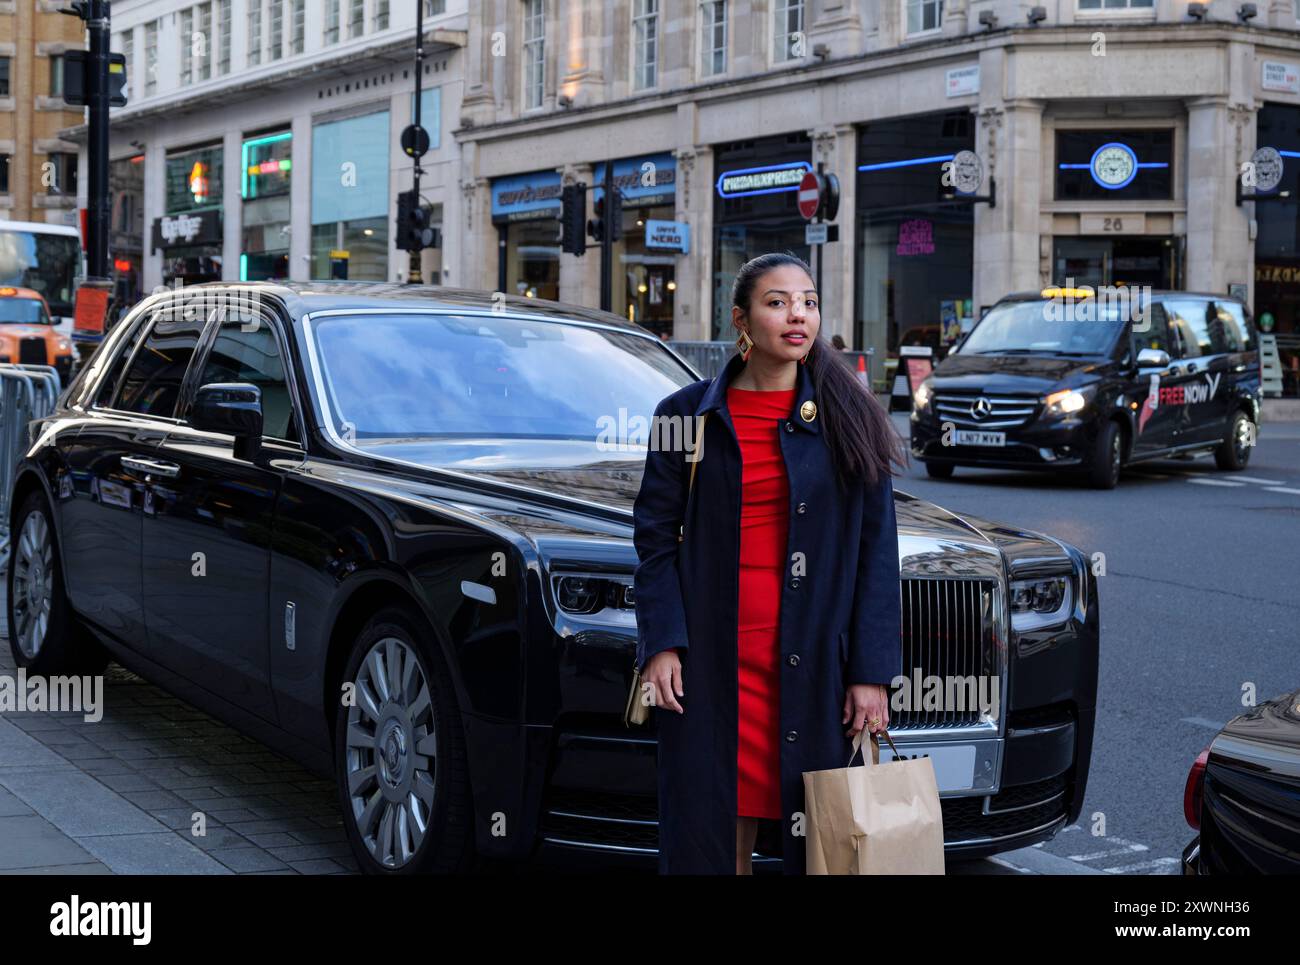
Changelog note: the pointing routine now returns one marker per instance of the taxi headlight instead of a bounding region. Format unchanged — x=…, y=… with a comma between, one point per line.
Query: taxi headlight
x=921, y=397
x=1067, y=401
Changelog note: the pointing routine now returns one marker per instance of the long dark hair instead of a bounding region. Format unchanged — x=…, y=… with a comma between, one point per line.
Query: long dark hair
x=862, y=439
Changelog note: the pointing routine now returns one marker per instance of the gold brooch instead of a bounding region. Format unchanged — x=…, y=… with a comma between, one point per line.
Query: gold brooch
x=808, y=411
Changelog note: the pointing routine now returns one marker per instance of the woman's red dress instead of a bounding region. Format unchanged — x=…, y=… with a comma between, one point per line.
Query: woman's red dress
x=764, y=529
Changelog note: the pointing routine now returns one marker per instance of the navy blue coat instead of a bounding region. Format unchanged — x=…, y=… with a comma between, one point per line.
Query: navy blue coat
x=840, y=618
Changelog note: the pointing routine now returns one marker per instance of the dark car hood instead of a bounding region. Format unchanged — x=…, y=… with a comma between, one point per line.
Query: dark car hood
x=1023, y=373
x=579, y=492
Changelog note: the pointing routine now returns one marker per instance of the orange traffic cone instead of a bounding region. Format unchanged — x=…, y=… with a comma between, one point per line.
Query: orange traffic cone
x=862, y=372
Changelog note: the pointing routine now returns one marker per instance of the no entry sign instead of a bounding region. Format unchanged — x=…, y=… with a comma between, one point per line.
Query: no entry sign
x=810, y=195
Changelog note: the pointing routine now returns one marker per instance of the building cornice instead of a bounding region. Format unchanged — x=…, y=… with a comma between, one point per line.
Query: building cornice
x=930, y=52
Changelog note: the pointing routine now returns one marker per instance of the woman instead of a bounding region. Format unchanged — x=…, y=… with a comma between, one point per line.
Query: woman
x=773, y=587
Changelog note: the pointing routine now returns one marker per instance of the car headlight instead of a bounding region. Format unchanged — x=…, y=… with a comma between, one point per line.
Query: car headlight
x=1068, y=401
x=65, y=345
x=590, y=593
x=921, y=397
x=1041, y=602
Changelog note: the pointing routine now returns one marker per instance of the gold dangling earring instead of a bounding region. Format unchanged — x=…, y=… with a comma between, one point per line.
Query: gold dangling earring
x=745, y=344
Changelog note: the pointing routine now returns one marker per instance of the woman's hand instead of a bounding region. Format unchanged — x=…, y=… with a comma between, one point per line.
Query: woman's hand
x=863, y=704
x=664, y=671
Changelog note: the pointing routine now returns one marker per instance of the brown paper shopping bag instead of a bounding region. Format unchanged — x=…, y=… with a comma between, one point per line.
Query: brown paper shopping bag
x=874, y=819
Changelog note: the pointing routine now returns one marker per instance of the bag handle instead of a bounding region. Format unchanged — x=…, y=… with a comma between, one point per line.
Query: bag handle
x=857, y=745
x=681, y=530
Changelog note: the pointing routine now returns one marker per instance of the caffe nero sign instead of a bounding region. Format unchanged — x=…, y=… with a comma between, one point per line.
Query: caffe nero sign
x=182, y=230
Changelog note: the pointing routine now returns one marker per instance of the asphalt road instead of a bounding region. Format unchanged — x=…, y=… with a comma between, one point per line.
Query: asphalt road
x=1199, y=609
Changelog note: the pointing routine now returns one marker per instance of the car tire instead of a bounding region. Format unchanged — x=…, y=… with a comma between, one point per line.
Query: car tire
x=405, y=810
x=939, y=470
x=45, y=636
x=1233, y=452
x=1107, y=457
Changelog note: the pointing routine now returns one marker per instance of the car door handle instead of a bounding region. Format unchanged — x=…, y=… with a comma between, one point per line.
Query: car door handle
x=152, y=467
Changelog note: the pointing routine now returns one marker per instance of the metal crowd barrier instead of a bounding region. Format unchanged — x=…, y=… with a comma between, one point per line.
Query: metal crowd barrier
x=27, y=392
x=709, y=358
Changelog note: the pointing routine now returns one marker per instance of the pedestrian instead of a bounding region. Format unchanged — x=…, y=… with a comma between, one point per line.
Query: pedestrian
x=773, y=589
x=837, y=340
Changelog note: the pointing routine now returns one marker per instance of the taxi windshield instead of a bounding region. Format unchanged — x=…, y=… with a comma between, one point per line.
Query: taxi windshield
x=26, y=311
x=1050, y=326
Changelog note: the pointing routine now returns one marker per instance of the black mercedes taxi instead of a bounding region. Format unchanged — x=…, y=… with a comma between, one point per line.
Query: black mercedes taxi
x=388, y=531
x=1087, y=381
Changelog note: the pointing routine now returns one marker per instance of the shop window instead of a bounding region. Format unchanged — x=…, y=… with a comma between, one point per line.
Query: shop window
x=351, y=220
x=56, y=75
x=4, y=173
x=4, y=77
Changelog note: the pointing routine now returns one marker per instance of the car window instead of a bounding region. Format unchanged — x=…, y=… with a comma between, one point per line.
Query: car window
x=1200, y=329
x=1156, y=334
x=253, y=356
x=1236, y=329
x=24, y=311
x=104, y=398
x=152, y=384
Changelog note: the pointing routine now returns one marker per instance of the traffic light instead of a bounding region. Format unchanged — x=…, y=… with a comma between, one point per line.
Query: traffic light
x=413, y=230
x=615, y=220
x=75, y=75
x=572, y=213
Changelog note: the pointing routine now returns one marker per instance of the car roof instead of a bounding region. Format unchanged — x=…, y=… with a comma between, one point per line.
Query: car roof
x=301, y=298
x=30, y=294
x=1030, y=296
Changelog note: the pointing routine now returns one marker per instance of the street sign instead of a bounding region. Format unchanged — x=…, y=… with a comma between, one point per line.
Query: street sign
x=810, y=195
x=816, y=234
x=415, y=141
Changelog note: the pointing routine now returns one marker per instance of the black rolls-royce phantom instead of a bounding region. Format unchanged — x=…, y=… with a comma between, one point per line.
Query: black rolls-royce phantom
x=387, y=530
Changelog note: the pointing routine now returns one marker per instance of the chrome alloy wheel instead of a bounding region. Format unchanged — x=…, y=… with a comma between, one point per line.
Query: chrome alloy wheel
x=391, y=740
x=33, y=584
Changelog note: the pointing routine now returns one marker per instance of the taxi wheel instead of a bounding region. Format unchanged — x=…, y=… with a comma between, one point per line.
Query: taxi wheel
x=1234, y=451
x=1107, y=457
x=939, y=470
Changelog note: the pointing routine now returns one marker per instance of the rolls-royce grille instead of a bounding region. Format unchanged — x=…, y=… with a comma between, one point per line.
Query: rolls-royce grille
x=948, y=633
x=31, y=351
x=984, y=410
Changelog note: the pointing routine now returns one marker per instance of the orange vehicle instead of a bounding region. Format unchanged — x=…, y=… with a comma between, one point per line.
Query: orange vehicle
x=28, y=335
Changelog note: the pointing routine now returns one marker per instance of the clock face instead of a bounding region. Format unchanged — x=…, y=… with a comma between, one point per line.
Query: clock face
x=1114, y=165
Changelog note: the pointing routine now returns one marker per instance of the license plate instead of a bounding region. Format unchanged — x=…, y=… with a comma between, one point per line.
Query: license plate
x=954, y=765
x=975, y=437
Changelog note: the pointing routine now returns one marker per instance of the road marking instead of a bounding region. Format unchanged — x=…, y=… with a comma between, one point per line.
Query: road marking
x=1127, y=846
x=1282, y=489
x=1214, y=482
x=1261, y=482
x=1202, y=722
x=1165, y=866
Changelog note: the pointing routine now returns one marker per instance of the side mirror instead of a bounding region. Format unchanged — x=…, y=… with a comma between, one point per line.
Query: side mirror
x=234, y=408
x=1153, y=358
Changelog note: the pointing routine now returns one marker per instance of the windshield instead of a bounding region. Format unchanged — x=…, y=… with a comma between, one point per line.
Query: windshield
x=47, y=263
x=25, y=310
x=447, y=376
x=1045, y=326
